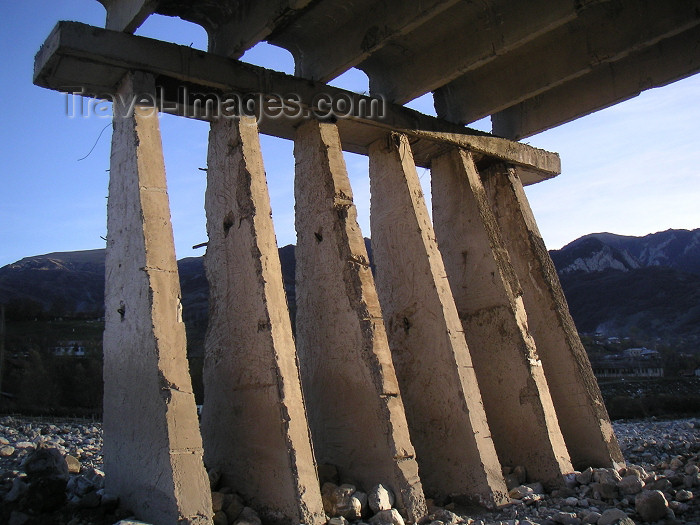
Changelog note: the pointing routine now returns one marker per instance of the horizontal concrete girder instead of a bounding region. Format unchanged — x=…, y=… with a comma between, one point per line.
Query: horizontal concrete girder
x=344, y=37
x=470, y=35
x=79, y=57
x=666, y=62
x=602, y=33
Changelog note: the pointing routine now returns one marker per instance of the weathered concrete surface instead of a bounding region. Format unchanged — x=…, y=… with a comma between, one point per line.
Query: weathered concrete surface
x=605, y=85
x=443, y=403
x=603, y=32
x=488, y=298
x=253, y=420
x=495, y=28
x=582, y=416
x=152, y=446
x=355, y=409
x=127, y=15
x=80, y=55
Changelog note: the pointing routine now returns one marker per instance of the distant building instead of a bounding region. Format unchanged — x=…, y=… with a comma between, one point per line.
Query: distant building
x=69, y=349
x=628, y=368
x=640, y=353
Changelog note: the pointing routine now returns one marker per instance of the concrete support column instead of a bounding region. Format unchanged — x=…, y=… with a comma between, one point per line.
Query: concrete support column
x=355, y=408
x=152, y=445
x=488, y=298
x=443, y=403
x=253, y=420
x=582, y=415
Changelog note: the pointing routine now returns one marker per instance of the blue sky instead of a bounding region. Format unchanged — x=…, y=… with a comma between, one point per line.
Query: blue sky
x=631, y=169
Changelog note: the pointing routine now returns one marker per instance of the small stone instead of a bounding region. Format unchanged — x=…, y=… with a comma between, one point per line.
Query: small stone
x=611, y=516
x=536, y=487
x=19, y=487
x=676, y=463
x=520, y=492
x=73, y=464
x=363, y=500
x=585, y=477
x=217, y=501
x=651, y=505
x=683, y=496
x=387, y=517
x=691, y=469
x=570, y=480
x=604, y=490
x=220, y=518
x=6, y=451
x=630, y=485
x=566, y=518
x=248, y=517
x=512, y=481
x=46, y=462
x=591, y=517
x=380, y=498
x=338, y=520
x=91, y=500
x=233, y=507
x=214, y=478
x=571, y=501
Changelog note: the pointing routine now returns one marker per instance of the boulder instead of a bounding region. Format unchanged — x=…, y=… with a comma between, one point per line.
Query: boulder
x=651, y=505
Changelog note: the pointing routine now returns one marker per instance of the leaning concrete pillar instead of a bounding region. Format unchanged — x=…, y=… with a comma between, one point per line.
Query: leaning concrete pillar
x=582, y=415
x=443, y=403
x=355, y=408
x=487, y=293
x=253, y=420
x=152, y=446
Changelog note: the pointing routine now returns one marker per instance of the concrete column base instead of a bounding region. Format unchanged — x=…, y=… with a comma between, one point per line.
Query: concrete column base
x=253, y=419
x=152, y=446
x=582, y=416
x=443, y=403
x=355, y=409
x=489, y=301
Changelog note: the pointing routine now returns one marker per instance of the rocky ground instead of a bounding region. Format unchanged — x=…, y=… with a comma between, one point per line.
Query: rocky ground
x=50, y=474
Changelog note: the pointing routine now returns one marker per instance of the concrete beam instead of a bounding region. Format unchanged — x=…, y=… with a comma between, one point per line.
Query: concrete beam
x=469, y=36
x=353, y=34
x=356, y=412
x=253, y=419
x=602, y=33
x=152, y=446
x=76, y=56
x=127, y=15
x=667, y=61
x=440, y=390
x=582, y=416
x=487, y=293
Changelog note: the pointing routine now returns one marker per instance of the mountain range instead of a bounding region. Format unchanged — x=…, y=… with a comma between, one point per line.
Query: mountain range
x=647, y=287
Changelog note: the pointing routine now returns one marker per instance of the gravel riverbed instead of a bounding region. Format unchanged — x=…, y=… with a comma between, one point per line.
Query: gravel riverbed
x=660, y=484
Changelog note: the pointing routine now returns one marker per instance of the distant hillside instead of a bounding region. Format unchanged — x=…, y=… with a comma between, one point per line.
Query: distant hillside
x=641, y=286
x=677, y=249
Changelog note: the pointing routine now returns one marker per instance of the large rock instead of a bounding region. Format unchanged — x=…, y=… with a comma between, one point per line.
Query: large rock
x=380, y=498
x=651, y=505
x=45, y=462
x=611, y=516
x=630, y=485
x=387, y=517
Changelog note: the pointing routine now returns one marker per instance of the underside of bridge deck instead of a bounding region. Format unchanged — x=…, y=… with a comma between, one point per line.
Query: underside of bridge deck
x=529, y=65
